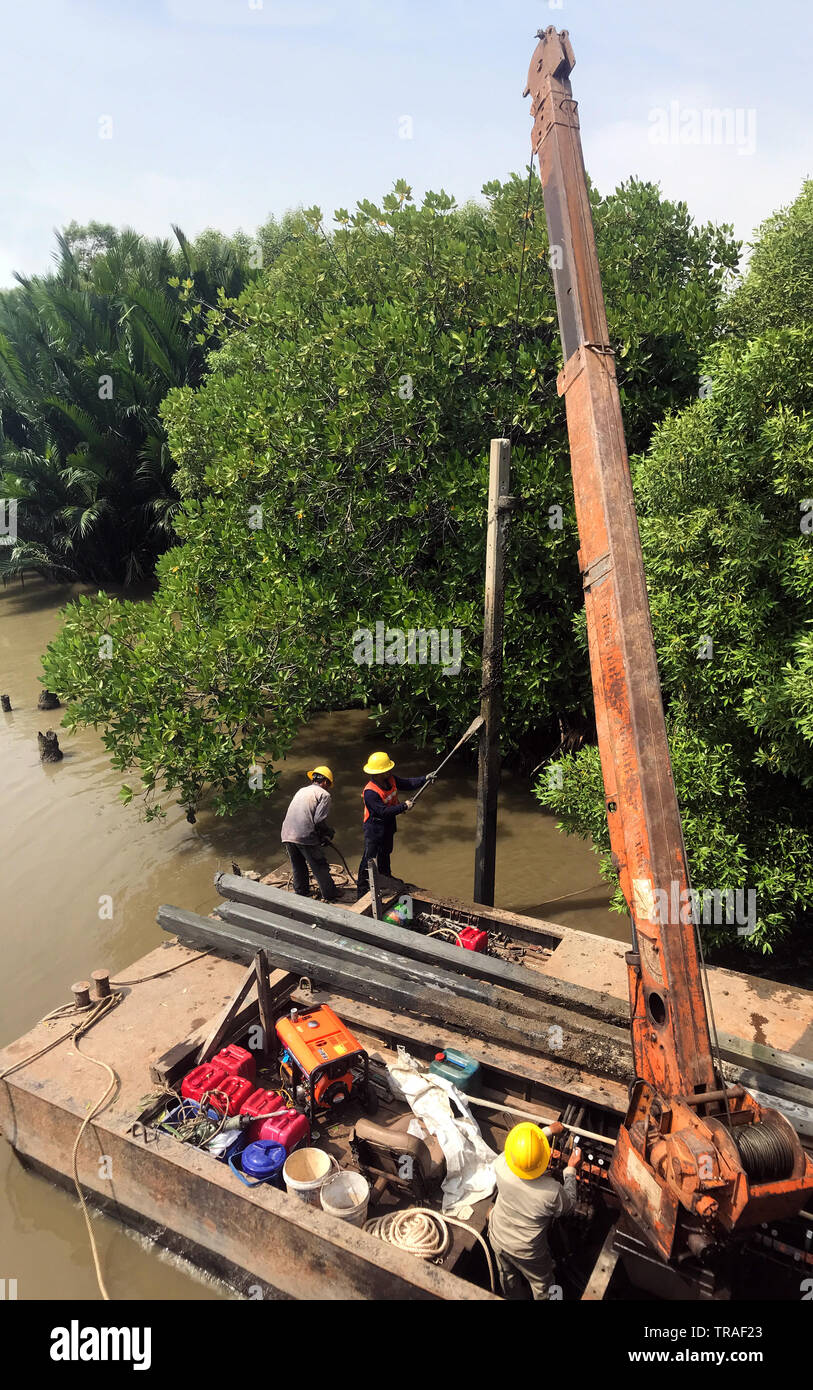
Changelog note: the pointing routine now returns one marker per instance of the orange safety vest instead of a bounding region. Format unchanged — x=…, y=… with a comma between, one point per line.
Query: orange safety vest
x=388, y=797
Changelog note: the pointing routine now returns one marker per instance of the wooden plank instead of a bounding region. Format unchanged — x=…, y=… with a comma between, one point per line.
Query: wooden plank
x=222, y=1024
x=268, y=996
x=375, y=892
x=172, y=1064
x=602, y=1270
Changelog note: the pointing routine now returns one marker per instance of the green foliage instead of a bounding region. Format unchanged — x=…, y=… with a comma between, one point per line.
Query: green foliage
x=777, y=292
x=86, y=356
x=728, y=549
x=351, y=402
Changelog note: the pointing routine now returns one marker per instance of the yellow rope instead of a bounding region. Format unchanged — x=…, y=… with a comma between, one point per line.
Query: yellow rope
x=104, y=1007
x=91, y=1014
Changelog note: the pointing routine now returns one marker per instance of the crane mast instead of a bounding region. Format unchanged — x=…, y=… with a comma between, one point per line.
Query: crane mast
x=694, y=1158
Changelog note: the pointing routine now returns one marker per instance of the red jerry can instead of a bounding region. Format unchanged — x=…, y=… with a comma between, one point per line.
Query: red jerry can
x=230, y=1094
x=262, y=1102
x=289, y=1129
x=203, y=1078
x=472, y=939
x=236, y=1061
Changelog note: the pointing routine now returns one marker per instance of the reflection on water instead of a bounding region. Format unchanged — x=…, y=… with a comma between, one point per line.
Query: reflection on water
x=67, y=842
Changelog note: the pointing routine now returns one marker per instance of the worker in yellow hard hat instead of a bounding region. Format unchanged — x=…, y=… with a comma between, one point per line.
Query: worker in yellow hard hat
x=305, y=831
x=529, y=1199
x=381, y=806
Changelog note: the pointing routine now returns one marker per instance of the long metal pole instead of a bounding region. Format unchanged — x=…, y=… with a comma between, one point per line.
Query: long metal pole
x=488, y=772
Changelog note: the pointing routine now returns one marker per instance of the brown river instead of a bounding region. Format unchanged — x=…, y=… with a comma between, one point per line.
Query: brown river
x=67, y=841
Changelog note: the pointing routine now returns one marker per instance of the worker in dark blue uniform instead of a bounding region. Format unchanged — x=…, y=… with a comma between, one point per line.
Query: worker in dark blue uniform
x=381, y=806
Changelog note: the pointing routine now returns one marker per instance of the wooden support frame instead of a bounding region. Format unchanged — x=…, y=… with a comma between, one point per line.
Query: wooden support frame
x=221, y=1027
x=265, y=1004
x=375, y=890
x=603, y=1270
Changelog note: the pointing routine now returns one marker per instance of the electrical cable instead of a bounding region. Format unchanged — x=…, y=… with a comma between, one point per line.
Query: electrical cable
x=347, y=868
x=446, y=931
x=142, y=979
x=550, y=902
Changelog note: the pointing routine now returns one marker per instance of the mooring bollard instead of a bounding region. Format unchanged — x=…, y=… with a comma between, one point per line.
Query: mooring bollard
x=81, y=994
x=47, y=700
x=5, y=704
x=101, y=981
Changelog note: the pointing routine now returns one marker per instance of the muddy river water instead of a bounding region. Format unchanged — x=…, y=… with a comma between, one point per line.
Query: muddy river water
x=67, y=842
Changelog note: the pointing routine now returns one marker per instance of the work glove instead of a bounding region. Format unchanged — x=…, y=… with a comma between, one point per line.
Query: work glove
x=431, y=777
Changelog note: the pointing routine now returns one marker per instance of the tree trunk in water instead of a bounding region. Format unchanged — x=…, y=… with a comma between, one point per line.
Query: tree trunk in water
x=50, y=751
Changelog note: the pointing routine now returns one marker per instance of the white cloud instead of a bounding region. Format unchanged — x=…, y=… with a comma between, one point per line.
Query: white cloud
x=232, y=13
x=717, y=182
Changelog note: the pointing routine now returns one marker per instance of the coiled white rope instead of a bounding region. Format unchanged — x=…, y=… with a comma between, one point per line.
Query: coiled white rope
x=423, y=1233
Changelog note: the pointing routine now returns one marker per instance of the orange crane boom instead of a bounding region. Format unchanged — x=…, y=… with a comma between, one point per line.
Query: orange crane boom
x=695, y=1159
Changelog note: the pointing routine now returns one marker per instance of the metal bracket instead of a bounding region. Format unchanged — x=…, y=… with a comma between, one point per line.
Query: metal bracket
x=597, y=571
x=146, y=1133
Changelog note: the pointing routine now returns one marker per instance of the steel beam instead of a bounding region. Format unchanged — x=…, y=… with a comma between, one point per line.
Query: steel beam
x=600, y=1049
x=415, y=946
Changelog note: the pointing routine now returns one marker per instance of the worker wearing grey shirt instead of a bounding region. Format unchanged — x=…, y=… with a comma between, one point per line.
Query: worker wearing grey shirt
x=528, y=1199
x=305, y=830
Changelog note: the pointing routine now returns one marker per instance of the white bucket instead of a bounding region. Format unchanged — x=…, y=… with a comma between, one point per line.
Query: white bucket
x=304, y=1172
x=347, y=1196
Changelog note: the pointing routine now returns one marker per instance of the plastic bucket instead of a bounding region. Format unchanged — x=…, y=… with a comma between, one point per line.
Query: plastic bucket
x=347, y=1196
x=178, y=1114
x=304, y=1172
x=258, y=1163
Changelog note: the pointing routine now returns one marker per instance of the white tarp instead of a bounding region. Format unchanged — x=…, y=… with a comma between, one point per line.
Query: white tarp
x=469, y=1160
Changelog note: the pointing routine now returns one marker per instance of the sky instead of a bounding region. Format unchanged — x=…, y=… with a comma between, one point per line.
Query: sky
x=219, y=112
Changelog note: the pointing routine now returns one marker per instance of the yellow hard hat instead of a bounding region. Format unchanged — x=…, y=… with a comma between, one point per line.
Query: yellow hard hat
x=323, y=772
x=379, y=762
x=527, y=1151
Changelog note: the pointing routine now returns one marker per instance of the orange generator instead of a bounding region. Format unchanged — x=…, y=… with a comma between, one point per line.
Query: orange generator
x=318, y=1059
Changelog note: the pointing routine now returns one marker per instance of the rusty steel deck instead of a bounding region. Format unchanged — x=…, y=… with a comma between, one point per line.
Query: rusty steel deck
x=255, y=1238
x=262, y=1239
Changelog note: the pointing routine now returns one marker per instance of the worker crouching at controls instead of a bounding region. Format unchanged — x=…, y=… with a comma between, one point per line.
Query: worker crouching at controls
x=529, y=1199
x=305, y=830
x=381, y=806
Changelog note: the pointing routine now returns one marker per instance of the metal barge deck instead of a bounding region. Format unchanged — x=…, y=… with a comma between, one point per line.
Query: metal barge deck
x=266, y=1243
